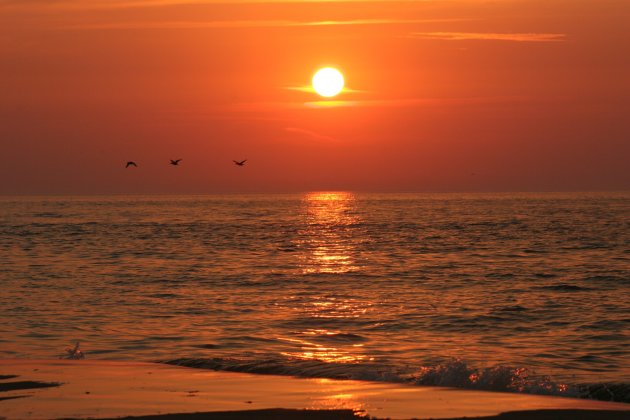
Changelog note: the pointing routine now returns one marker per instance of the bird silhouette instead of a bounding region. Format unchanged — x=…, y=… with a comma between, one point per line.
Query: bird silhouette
x=241, y=163
x=175, y=162
x=131, y=163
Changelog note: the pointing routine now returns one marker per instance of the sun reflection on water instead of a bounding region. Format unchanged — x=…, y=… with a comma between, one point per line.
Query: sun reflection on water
x=328, y=235
x=309, y=349
x=327, y=244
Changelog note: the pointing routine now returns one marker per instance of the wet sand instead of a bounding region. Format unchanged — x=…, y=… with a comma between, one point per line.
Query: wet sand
x=49, y=389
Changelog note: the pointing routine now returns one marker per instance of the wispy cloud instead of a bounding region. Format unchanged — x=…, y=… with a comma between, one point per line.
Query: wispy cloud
x=308, y=133
x=377, y=103
x=408, y=102
x=310, y=89
x=249, y=24
x=379, y=22
x=124, y=4
x=483, y=36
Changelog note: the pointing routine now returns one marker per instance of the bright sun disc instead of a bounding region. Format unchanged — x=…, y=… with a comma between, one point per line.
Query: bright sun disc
x=328, y=82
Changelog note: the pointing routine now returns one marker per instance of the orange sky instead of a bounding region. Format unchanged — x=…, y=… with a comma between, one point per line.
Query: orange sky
x=462, y=95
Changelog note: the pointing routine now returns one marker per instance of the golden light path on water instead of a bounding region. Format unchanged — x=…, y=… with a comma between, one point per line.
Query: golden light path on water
x=330, y=218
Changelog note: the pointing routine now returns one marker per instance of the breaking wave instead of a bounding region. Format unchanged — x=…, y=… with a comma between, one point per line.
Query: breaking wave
x=454, y=373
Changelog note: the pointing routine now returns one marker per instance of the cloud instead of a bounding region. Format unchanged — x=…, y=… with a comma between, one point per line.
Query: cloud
x=124, y=4
x=376, y=103
x=413, y=102
x=378, y=22
x=248, y=24
x=482, y=36
x=310, y=89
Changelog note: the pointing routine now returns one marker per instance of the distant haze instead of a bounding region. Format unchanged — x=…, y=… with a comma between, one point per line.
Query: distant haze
x=461, y=95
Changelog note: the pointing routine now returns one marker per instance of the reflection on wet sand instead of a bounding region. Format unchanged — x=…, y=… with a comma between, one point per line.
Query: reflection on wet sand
x=337, y=399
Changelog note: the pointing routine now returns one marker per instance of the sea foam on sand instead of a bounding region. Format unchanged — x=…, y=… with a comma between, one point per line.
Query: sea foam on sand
x=102, y=389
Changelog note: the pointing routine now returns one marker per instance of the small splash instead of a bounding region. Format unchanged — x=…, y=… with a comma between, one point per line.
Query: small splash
x=74, y=353
x=456, y=373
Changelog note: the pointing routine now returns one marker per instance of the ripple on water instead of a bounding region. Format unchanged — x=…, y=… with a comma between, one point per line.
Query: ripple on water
x=563, y=287
x=406, y=280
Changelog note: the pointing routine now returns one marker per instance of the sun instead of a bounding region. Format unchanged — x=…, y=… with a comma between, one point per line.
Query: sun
x=328, y=82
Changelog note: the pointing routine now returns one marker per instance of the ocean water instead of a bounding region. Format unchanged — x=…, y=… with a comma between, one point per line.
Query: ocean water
x=514, y=292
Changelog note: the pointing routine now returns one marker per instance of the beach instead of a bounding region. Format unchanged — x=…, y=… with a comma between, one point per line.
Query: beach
x=314, y=209
x=82, y=389
x=455, y=306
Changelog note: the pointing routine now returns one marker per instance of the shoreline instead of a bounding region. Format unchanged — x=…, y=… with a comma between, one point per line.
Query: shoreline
x=79, y=389
x=284, y=414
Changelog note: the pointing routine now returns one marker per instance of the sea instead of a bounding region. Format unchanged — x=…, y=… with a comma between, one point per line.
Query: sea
x=505, y=292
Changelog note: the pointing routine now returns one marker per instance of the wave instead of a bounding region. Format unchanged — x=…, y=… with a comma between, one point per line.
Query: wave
x=454, y=373
x=564, y=287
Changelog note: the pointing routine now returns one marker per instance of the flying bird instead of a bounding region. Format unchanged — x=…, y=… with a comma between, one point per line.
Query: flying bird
x=175, y=162
x=131, y=163
x=241, y=163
